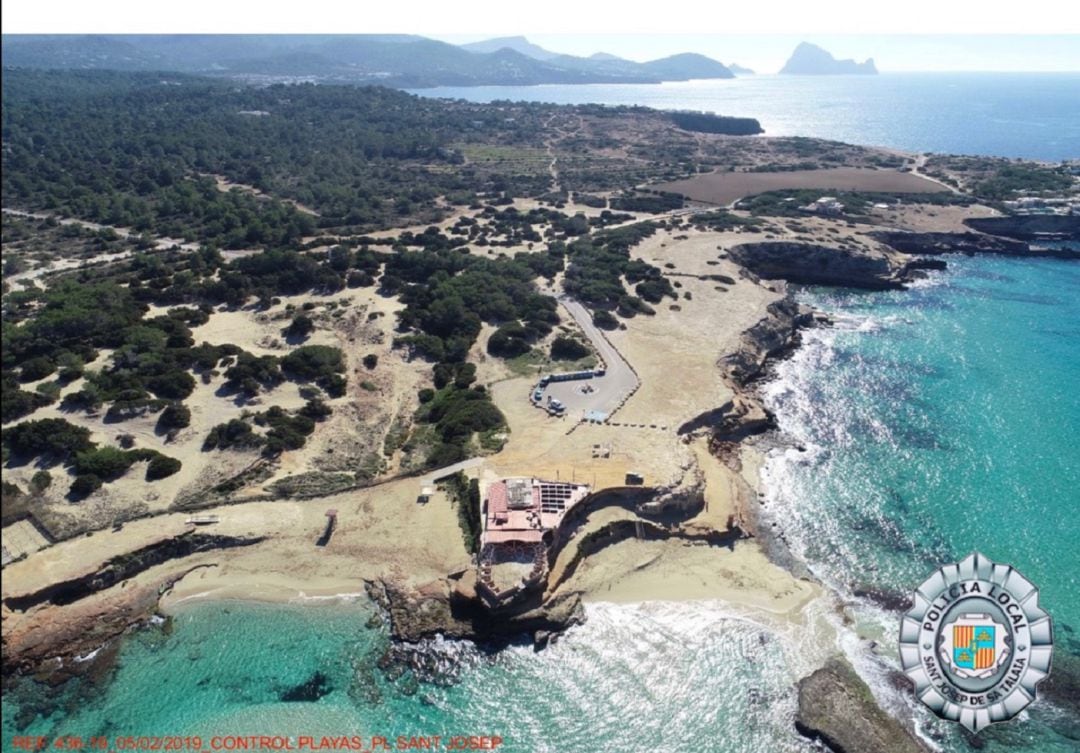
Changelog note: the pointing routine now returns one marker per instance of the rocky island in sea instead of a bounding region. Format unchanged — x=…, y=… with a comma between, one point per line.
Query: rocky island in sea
x=420, y=354
x=810, y=60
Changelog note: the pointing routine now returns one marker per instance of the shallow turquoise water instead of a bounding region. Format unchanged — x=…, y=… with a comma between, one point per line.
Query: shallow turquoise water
x=939, y=421
x=936, y=422
x=678, y=677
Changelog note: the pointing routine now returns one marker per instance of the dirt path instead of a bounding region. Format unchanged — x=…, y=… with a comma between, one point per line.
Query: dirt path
x=63, y=265
x=432, y=476
x=553, y=169
x=920, y=163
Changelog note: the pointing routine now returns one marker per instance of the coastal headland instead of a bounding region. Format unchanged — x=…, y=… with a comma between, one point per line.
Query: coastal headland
x=388, y=493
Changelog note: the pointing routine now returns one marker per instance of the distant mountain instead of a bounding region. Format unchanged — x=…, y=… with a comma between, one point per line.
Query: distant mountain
x=686, y=66
x=739, y=70
x=78, y=52
x=675, y=68
x=398, y=60
x=517, y=44
x=809, y=59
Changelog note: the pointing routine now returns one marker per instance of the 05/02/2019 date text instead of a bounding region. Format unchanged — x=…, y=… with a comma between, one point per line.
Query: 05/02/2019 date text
x=259, y=743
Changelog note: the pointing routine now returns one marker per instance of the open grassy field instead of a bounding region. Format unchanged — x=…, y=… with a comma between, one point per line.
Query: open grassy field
x=723, y=188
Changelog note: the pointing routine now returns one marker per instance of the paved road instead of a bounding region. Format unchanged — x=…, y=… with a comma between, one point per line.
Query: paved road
x=608, y=390
x=449, y=470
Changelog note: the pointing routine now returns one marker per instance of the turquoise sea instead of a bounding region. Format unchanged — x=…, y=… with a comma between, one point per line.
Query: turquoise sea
x=931, y=422
x=669, y=677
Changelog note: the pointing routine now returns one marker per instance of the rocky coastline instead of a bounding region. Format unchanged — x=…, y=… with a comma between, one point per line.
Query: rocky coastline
x=933, y=244
x=816, y=264
x=60, y=627
x=1028, y=227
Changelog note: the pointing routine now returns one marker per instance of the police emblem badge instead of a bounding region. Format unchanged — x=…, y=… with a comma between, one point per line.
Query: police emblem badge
x=976, y=643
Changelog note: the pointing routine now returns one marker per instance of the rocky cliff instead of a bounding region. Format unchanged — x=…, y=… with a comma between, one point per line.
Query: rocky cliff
x=814, y=264
x=451, y=607
x=45, y=630
x=930, y=244
x=1028, y=227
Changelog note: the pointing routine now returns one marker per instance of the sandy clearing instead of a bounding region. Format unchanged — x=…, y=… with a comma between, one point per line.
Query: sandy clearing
x=708, y=324
x=929, y=218
x=723, y=188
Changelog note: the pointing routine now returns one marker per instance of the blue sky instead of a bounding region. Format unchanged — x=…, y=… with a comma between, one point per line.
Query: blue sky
x=767, y=53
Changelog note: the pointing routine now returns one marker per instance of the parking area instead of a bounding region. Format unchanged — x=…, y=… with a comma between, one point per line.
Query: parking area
x=595, y=395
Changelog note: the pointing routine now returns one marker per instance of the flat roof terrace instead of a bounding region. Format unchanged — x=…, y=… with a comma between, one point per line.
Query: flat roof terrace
x=513, y=513
x=521, y=509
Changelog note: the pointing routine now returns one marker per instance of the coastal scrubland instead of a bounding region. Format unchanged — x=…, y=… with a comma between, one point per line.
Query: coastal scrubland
x=258, y=304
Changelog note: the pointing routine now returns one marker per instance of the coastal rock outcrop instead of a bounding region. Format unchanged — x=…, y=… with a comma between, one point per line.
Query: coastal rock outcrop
x=123, y=567
x=54, y=643
x=774, y=335
x=931, y=244
x=837, y=708
x=1029, y=227
x=450, y=607
x=810, y=263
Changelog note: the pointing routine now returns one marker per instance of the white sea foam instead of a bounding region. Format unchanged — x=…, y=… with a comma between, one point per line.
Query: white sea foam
x=89, y=656
x=347, y=597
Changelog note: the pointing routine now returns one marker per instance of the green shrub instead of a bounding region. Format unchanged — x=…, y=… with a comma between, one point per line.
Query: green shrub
x=235, y=433
x=286, y=432
x=162, y=466
x=465, y=494
x=334, y=385
x=371, y=361
x=605, y=320
x=85, y=485
x=301, y=326
x=172, y=385
x=250, y=372
x=316, y=409
x=40, y=481
x=16, y=403
x=175, y=416
x=36, y=368
x=509, y=340
x=48, y=436
x=313, y=362
x=104, y=462
x=565, y=348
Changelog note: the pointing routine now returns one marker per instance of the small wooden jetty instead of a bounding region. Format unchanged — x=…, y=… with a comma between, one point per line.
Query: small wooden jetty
x=331, y=524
